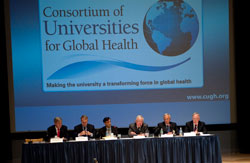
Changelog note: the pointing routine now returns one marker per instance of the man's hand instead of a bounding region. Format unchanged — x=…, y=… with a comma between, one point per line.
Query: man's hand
x=83, y=133
x=87, y=133
x=132, y=133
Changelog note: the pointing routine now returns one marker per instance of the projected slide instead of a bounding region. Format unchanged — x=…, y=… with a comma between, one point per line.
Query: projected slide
x=98, y=46
x=119, y=58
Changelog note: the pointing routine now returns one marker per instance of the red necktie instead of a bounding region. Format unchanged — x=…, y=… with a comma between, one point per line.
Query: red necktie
x=58, y=132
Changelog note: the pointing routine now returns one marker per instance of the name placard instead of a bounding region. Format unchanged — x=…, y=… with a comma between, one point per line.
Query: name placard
x=56, y=140
x=81, y=138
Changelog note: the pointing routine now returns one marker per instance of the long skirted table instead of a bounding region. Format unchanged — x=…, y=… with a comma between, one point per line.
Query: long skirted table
x=196, y=149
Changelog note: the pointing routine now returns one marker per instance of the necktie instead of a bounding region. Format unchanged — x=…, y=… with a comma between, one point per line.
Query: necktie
x=168, y=128
x=195, y=127
x=58, y=132
x=139, y=130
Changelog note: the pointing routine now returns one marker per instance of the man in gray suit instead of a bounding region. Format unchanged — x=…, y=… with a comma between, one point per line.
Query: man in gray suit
x=138, y=128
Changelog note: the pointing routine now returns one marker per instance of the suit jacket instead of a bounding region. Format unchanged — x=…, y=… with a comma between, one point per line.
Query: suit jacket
x=51, y=132
x=102, y=131
x=142, y=129
x=190, y=127
x=90, y=128
x=163, y=126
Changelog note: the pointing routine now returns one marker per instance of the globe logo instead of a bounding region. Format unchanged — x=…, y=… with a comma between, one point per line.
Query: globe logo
x=171, y=27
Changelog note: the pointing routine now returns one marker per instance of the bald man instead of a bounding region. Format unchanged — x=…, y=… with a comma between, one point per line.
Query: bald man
x=196, y=125
x=139, y=128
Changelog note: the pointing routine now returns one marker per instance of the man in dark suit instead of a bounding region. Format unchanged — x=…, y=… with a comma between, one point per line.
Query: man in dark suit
x=196, y=125
x=57, y=129
x=166, y=126
x=85, y=129
x=107, y=129
x=138, y=128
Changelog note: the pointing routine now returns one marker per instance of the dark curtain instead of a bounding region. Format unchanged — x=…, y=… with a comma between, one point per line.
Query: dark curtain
x=200, y=149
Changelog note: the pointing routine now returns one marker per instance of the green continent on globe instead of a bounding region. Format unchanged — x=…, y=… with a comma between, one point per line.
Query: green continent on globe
x=171, y=27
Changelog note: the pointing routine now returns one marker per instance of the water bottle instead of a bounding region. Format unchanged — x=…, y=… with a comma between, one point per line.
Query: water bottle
x=161, y=132
x=181, y=133
x=107, y=133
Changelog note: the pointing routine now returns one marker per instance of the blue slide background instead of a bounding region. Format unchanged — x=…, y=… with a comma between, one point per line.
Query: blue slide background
x=35, y=109
x=167, y=32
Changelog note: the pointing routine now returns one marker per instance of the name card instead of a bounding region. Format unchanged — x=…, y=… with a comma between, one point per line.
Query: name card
x=138, y=137
x=110, y=138
x=167, y=135
x=56, y=140
x=189, y=134
x=81, y=138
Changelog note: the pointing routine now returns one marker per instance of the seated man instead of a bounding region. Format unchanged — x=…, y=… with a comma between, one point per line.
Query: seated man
x=138, y=128
x=195, y=125
x=167, y=126
x=85, y=129
x=107, y=129
x=57, y=130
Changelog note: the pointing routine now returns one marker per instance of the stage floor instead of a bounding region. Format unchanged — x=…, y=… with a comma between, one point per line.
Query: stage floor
x=236, y=158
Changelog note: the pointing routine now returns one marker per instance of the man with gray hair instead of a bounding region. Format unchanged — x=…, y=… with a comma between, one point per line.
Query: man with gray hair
x=57, y=130
x=196, y=125
x=85, y=129
x=138, y=128
x=167, y=126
